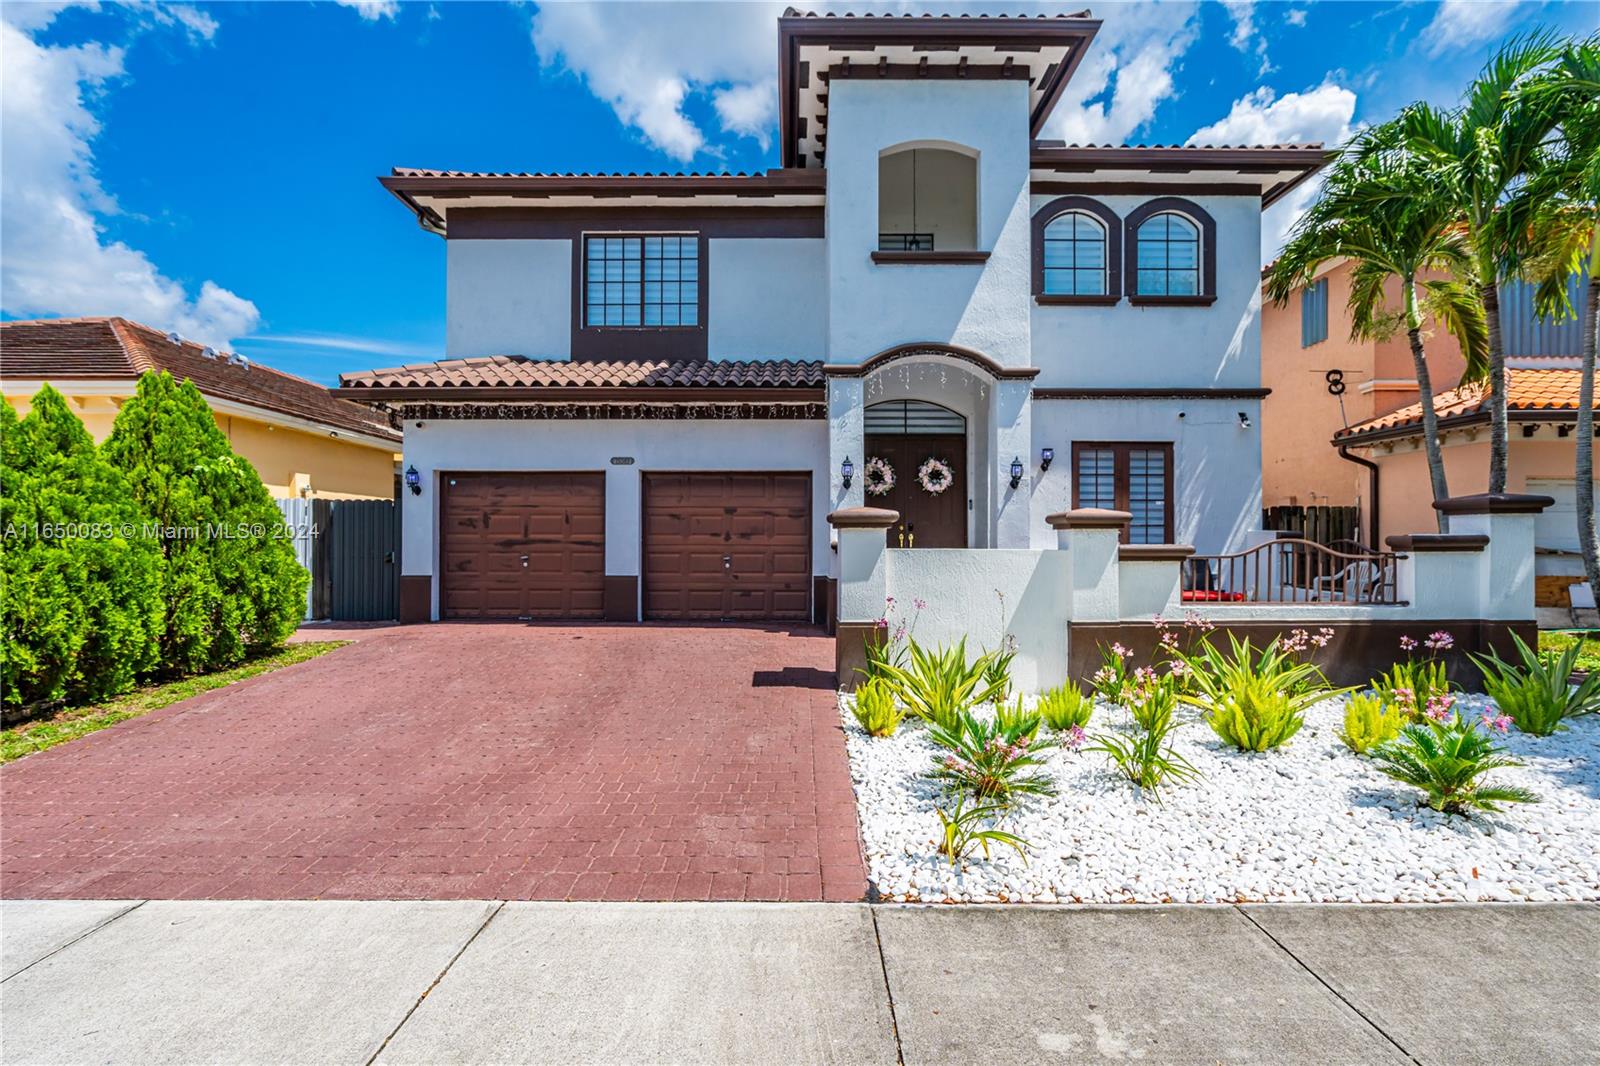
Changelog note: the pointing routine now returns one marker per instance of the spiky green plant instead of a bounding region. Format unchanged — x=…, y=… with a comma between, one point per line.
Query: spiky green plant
x=990, y=760
x=962, y=828
x=1112, y=680
x=1015, y=717
x=1146, y=758
x=875, y=709
x=1414, y=685
x=1446, y=760
x=1369, y=721
x=939, y=684
x=997, y=674
x=1538, y=695
x=1065, y=706
x=1151, y=699
x=1254, y=701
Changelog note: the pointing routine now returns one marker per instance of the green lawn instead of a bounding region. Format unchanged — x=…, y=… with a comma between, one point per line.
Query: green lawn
x=1559, y=640
x=75, y=722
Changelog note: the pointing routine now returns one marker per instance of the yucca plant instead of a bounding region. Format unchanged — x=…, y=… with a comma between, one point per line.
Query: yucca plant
x=1254, y=701
x=1369, y=721
x=1016, y=718
x=875, y=708
x=997, y=674
x=991, y=760
x=1064, y=707
x=938, y=684
x=962, y=828
x=1146, y=758
x=1538, y=695
x=1445, y=760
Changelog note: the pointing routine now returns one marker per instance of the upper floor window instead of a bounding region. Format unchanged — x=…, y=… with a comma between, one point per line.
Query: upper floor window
x=1314, y=313
x=1075, y=255
x=927, y=200
x=641, y=280
x=1169, y=256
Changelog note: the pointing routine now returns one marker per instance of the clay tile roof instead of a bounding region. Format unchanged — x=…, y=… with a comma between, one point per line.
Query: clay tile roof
x=515, y=371
x=1527, y=390
x=64, y=349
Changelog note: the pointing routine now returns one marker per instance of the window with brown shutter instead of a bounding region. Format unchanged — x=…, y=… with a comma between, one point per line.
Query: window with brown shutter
x=1127, y=476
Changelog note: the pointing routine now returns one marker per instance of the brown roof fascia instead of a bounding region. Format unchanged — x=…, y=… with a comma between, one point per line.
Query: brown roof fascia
x=578, y=394
x=869, y=31
x=1470, y=418
x=1308, y=160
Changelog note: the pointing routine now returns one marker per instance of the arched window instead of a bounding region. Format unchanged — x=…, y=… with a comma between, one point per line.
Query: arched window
x=1075, y=260
x=1169, y=256
x=927, y=199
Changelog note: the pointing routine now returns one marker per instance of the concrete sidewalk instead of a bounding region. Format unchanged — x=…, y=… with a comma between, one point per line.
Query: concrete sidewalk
x=478, y=982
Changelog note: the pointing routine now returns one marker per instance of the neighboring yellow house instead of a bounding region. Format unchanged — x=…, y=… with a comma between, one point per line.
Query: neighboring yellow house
x=301, y=439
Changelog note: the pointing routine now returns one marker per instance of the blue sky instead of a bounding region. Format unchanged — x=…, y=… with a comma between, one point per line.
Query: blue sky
x=211, y=167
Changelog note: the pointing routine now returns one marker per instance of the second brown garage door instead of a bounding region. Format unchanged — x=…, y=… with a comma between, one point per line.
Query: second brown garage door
x=727, y=546
x=522, y=546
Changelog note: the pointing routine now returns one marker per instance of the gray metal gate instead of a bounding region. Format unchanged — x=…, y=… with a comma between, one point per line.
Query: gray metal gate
x=352, y=550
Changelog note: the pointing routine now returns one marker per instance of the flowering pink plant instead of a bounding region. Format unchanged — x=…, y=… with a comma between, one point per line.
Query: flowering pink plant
x=1497, y=722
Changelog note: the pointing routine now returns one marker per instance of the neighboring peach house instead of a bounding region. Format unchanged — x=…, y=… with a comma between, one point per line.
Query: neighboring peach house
x=1543, y=408
x=301, y=439
x=1308, y=339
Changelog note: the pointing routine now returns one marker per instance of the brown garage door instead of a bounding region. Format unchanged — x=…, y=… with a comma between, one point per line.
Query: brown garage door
x=523, y=546
x=727, y=546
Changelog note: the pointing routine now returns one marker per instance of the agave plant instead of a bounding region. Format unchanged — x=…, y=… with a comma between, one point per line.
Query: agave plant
x=1538, y=695
x=991, y=760
x=963, y=827
x=1445, y=760
x=938, y=684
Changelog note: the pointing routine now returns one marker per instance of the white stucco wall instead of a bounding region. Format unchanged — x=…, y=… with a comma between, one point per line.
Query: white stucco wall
x=508, y=297
x=1216, y=464
x=445, y=446
x=982, y=306
x=963, y=589
x=1164, y=347
x=768, y=298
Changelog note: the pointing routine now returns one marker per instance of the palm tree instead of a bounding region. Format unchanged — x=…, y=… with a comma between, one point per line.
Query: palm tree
x=1561, y=208
x=1479, y=153
x=1380, y=210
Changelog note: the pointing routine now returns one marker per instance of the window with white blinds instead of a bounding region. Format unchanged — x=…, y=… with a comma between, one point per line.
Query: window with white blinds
x=1127, y=476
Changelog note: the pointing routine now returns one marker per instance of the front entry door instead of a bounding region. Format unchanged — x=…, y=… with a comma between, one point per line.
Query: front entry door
x=926, y=520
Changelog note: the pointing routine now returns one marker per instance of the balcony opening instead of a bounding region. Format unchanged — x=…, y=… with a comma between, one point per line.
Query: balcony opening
x=927, y=200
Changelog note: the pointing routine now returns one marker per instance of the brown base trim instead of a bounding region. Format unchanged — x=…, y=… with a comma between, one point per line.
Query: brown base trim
x=619, y=598
x=1048, y=393
x=850, y=652
x=1358, y=652
x=416, y=598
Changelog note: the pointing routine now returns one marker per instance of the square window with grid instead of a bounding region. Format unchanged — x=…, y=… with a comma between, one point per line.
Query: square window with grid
x=1136, y=478
x=1075, y=256
x=642, y=281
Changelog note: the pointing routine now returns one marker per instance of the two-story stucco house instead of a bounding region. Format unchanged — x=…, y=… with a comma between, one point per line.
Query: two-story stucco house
x=659, y=386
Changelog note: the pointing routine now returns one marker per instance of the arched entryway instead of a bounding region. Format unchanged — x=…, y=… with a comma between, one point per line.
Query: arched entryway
x=904, y=437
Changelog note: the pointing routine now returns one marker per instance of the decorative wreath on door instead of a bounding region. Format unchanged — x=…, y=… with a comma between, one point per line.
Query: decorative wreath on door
x=879, y=476
x=935, y=476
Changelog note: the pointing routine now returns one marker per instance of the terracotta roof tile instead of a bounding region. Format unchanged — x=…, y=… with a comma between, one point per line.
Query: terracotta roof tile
x=64, y=349
x=1527, y=389
x=514, y=371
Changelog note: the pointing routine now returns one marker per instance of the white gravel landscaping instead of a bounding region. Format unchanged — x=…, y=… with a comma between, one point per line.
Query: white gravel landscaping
x=1311, y=821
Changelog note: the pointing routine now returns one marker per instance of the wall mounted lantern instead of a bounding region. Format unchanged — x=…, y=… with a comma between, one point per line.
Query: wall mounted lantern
x=847, y=472
x=1244, y=420
x=1046, y=457
x=413, y=481
x=1016, y=471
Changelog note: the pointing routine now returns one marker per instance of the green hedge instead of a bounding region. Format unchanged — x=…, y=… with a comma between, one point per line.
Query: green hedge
x=158, y=554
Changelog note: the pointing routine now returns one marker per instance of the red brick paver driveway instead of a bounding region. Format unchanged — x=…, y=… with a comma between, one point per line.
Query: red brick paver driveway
x=464, y=761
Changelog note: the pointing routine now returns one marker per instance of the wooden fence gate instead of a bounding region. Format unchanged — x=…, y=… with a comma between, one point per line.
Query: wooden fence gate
x=1338, y=527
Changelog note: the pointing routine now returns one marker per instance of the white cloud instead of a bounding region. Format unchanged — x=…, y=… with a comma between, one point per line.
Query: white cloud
x=647, y=60
x=1461, y=24
x=1322, y=114
x=1295, y=16
x=373, y=10
x=55, y=258
x=1245, y=37
x=1126, y=74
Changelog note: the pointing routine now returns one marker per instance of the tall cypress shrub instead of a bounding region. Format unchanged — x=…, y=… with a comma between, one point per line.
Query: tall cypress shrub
x=81, y=603
x=231, y=586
